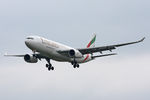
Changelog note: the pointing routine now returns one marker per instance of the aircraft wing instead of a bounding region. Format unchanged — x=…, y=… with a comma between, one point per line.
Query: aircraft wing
x=13, y=55
x=105, y=48
x=39, y=56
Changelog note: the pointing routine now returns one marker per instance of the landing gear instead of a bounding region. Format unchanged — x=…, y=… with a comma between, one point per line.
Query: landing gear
x=78, y=66
x=75, y=64
x=50, y=68
x=49, y=65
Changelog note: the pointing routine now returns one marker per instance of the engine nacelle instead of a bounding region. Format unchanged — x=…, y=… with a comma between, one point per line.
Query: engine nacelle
x=75, y=53
x=30, y=59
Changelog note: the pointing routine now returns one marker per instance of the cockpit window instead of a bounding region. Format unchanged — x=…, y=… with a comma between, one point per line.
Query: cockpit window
x=30, y=38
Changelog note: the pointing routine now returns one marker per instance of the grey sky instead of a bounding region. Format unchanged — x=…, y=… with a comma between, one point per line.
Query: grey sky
x=125, y=76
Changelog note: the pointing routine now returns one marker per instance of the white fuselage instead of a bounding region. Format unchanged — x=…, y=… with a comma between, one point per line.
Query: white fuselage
x=49, y=48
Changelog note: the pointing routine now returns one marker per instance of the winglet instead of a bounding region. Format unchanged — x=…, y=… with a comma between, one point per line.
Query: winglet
x=5, y=54
x=142, y=39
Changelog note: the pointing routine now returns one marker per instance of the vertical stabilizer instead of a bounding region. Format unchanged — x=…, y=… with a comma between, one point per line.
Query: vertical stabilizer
x=92, y=42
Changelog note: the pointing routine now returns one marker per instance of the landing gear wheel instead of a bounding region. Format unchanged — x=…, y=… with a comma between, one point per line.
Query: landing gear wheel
x=77, y=65
x=52, y=68
x=47, y=65
x=49, y=68
x=74, y=65
x=72, y=62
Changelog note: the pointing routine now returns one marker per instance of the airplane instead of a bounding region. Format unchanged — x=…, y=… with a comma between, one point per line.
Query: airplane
x=43, y=48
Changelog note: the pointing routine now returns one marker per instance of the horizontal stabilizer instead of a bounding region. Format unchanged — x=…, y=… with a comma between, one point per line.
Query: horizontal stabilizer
x=104, y=55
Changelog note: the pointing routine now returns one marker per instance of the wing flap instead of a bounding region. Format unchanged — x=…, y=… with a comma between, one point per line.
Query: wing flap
x=96, y=49
x=104, y=55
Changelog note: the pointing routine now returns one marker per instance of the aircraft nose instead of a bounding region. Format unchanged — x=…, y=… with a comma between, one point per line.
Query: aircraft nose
x=27, y=42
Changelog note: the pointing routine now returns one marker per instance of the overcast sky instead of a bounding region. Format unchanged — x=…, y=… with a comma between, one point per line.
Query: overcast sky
x=121, y=77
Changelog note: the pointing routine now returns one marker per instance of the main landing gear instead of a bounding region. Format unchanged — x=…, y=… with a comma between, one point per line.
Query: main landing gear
x=49, y=65
x=75, y=64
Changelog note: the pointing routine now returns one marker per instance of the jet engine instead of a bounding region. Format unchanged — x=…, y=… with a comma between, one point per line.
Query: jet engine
x=30, y=58
x=75, y=53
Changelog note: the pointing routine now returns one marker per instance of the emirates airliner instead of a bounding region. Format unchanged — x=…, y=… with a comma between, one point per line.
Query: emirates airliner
x=47, y=49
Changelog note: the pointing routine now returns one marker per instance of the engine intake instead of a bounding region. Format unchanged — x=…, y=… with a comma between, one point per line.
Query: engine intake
x=30, y=58
x=72, y=53
x=75, y=53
